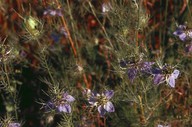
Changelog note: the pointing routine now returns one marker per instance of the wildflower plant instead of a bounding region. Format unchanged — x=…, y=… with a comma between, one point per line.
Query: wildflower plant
x=114, y=63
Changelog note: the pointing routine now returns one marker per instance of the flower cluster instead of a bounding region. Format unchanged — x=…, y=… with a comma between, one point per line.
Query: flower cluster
x=61, y=103
x=160, y=74
x=101, y=101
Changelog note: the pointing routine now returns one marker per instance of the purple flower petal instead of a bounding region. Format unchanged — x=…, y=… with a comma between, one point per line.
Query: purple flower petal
x=109, y=107
x=181, y=34
x=70, y=98
x=156, y=71
x=175, y=73
x=146, y=67
x=171, y=81
x=14, y=125
x=101, y=110
x=158, y=78
x=148, y=64
x=64, y=108
x=50, y=105
x=172, y=77
x=132, y=73
x=178, y=32
x=52, y=12
x=182, y=27
x=109, y=94
x=86, y=92
x=92, y=100
x=183, y=37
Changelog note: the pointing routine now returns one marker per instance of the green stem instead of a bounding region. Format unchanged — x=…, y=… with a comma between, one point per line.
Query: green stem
x=13, y=95
x=103, y=28
x=48, y=69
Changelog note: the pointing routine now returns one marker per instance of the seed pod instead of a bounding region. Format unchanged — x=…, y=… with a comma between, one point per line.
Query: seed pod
x=33, y=26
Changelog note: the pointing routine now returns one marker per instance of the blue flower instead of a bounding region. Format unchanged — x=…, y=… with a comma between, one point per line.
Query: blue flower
x=185, y=35
x=180, y=32
x=61, y=103
x=160, y=77
x=64, y=106
x=102, y=102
